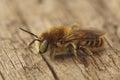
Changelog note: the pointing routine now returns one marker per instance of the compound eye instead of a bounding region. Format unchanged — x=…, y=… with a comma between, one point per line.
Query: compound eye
x=43, y=47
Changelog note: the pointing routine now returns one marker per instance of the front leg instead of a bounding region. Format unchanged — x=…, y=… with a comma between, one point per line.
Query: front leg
x=52, y=52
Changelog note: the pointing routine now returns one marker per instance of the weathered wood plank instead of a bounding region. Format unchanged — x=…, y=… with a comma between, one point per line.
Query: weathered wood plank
x=83, y=11
x=15, y=62
x=64, y=66
x=36, y=16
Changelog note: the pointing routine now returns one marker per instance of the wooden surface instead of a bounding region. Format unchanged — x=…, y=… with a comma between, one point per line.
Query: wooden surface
x=16, y=63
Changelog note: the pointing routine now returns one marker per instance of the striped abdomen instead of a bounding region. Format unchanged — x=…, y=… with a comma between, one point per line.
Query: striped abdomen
x=93, y=44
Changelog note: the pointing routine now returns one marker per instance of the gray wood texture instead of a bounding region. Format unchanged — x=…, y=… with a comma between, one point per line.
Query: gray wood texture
x=17, y=63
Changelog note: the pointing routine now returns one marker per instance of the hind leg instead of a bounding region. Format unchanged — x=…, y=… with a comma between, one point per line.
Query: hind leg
x=83, y=58
x=86, y=50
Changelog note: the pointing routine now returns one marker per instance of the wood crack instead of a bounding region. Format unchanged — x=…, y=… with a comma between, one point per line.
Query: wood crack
x=114, y=63
x=80, y=69
x=2, y=75
x=19, y=59
x=10, y=59
x=51, y=68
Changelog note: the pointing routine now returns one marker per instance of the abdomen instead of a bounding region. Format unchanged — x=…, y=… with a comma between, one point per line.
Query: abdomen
x=94, y=45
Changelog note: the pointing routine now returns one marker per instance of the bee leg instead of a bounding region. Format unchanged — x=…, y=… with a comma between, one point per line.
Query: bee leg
x=72, y=48
x=52, y=53
x=29, y=46
x=76, y=56
x=91, y=55
x=83, y=56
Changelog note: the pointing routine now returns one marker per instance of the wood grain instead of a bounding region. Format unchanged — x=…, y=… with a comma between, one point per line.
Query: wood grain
x=17, y=63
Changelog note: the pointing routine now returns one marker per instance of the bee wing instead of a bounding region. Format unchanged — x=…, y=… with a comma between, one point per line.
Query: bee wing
x=82, y=35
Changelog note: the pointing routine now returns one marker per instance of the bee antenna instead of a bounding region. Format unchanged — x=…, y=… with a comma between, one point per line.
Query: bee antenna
x=28, y=32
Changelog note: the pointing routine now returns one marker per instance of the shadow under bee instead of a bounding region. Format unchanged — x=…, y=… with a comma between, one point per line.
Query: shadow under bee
x=63, y=56
x=67, y=56
x=84, y=58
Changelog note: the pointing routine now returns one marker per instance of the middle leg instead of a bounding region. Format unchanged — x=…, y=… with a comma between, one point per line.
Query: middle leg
x=72, y=48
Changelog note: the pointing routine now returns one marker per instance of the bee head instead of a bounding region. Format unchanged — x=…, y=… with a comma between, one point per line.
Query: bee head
x=43, y=46
x=43, y=42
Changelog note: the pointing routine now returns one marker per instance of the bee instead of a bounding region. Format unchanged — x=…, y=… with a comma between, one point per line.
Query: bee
x=71, y=39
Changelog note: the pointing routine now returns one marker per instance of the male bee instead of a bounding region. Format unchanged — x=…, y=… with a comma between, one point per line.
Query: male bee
x=70, y=39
